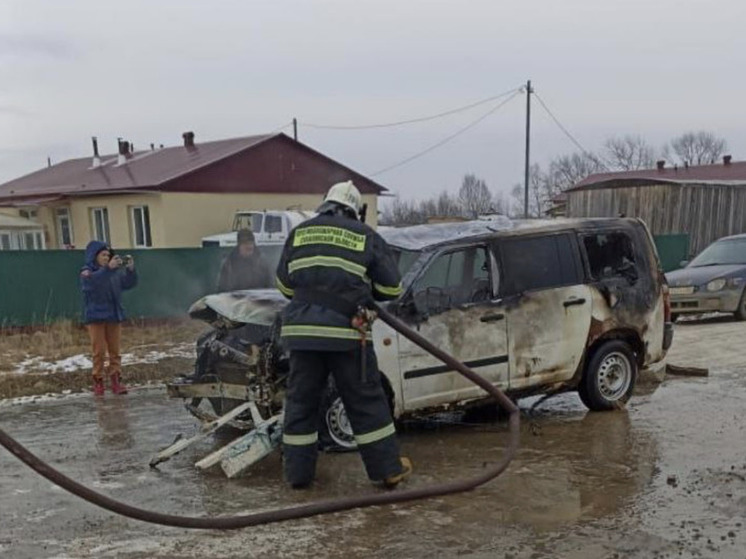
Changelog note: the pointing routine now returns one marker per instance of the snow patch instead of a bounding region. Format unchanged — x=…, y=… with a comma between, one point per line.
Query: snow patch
x=40, y=398
x=82, y=361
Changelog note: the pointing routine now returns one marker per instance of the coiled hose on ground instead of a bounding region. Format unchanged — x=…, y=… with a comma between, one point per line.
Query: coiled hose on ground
x=310, y=509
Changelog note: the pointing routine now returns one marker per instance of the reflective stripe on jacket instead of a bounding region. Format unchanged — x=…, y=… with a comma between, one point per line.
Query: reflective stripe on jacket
x=337, y=256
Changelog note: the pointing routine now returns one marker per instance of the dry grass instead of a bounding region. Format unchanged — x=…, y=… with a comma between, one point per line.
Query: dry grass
x=65, y=339
x=30, y=384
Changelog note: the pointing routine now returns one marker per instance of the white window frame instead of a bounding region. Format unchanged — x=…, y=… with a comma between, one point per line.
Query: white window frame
x=105, y=237
x=141, y=214
x=63, y=214
x=7, y=235
x=35, y=236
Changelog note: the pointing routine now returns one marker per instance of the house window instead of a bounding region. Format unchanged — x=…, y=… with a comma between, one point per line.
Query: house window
x=534, y=263
x=28, y=214
x=64, y=227
x=28, y=241
x=100, y=221
x=4, y=241
x=141, y=227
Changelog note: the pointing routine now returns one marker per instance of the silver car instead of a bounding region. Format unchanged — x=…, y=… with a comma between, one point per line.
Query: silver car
x=713, y=282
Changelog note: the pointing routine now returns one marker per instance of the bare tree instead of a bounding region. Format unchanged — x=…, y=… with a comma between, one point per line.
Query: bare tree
x=448, y=205
x=474, y=196
x=537, y=193
x=499, y=204
x=568, y=170
x=629, y=153
x=697, y=148
x=400, y=212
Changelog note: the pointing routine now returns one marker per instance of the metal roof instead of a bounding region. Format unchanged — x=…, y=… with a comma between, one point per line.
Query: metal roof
x=733, y=173
x=150, y=169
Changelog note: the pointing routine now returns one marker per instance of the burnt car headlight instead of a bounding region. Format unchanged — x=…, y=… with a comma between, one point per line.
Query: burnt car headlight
x=716, y=284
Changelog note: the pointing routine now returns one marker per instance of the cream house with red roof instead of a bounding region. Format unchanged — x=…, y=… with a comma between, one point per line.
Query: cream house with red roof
x=172, y=197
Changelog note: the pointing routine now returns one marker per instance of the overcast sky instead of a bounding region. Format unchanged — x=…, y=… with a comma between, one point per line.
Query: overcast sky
x=149, y=70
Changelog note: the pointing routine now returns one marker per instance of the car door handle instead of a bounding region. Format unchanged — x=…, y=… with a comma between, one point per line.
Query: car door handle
x=573, y=302
x=491, y=317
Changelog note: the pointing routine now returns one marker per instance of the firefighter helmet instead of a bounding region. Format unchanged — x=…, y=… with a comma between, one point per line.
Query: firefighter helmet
x=345, y=194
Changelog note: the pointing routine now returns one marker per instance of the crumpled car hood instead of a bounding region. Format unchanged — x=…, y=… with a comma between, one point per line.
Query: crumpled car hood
x=252, y=306
x=704, y=274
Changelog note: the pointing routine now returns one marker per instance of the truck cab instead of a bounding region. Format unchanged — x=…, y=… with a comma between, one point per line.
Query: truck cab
x=270, y=227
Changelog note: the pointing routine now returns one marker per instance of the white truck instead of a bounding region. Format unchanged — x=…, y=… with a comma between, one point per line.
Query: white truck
x=270, y=227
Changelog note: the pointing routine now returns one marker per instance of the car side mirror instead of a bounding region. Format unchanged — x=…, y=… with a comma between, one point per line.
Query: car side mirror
x=683, y=263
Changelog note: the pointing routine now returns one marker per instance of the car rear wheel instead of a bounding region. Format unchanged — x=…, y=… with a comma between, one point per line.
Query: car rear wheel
x=609, y=377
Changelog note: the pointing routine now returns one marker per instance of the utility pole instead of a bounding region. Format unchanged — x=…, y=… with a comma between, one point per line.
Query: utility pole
x=529, y=91
x=295, y=129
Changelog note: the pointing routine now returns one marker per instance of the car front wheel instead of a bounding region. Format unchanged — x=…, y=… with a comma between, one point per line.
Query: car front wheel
x=336, y=430
x=609, y=377
x=740, y=313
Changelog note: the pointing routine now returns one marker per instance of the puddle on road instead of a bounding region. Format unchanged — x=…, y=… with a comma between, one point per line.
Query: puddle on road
x=571, y=466
x=575, y=472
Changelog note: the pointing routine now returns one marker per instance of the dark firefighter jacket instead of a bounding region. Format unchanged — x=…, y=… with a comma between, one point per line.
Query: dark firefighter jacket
x=244, y=272
x=330, y=266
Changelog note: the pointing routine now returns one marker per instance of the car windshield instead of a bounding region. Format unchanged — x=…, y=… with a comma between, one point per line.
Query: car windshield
x=730, y=251
x=405, y=259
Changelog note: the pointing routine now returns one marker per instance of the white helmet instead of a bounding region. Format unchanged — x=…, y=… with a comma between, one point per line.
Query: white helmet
x=346, y=194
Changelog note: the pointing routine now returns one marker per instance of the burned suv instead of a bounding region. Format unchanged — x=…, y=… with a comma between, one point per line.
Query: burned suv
x=536, y=307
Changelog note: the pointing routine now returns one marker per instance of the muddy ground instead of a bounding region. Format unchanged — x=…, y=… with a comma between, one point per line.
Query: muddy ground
x=664, y=478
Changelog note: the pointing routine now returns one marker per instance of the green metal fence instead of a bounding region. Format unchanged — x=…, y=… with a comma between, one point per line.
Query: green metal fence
x=672, y=249
x=38, y=287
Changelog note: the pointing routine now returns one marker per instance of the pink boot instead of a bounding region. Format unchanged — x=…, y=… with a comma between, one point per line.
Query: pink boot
x=116, y=386
x=98, y=387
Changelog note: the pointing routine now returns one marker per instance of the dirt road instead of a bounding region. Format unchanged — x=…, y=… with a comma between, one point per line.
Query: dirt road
x=665, y=478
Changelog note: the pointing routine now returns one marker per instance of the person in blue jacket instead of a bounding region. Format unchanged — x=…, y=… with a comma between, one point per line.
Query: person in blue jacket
x=102, y=280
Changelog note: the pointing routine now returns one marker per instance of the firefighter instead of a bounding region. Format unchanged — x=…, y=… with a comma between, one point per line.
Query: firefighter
x=332, y=267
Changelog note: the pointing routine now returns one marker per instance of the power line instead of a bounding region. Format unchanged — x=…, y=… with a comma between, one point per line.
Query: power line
x=280, y=129
x=567, y=133
x=449, y=138
x=412, y=120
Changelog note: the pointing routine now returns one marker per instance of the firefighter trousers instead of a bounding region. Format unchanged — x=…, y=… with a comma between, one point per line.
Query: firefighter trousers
x=364, y=400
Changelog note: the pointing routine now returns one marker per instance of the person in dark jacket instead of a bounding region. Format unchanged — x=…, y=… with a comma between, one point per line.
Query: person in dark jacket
x=244, y=267
x=332, y=268
x=102, y=280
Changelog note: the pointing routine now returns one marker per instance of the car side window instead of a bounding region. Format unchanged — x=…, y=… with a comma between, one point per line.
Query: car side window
x=454, y=278
x=610, y=255
x=534, y=263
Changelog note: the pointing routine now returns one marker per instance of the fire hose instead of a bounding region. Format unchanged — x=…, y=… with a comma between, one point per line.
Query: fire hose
x=309, y=509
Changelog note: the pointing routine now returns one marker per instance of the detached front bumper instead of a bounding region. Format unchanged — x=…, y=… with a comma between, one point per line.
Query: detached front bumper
x=182, y=388
x=683, y=302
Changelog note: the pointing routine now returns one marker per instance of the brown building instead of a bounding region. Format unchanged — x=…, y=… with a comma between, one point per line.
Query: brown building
x=704, y=201
x=172, y=197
